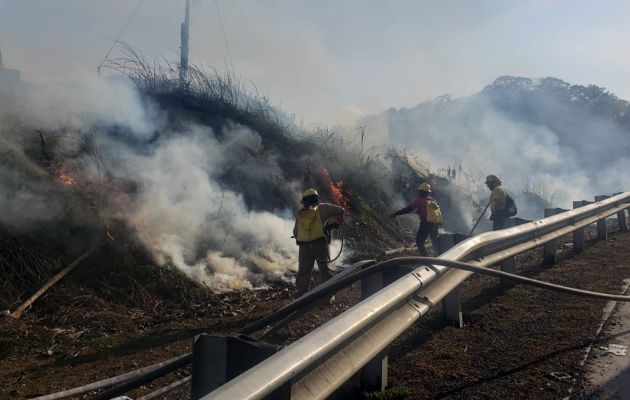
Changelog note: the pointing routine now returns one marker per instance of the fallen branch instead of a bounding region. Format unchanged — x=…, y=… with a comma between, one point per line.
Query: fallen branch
x=398, y=250
x=20, y=310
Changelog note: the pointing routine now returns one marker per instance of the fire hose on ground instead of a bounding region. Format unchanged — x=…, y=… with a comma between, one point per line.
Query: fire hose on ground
x=172, y=364
x=329, y=226
x=142, y=376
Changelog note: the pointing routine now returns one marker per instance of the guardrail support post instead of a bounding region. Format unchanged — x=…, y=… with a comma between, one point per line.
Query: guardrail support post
x=373, y=375
x=208, y=375
x=578, y=235
x=217, y=359
x=452, y=302
x=509, y=264
x=602, y=233
x=622, y=221
x=445, y=242
x=550, y=255
x=452, y=307
x=371, y=284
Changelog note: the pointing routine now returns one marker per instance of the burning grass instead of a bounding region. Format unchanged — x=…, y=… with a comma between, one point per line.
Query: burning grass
x=88, y=201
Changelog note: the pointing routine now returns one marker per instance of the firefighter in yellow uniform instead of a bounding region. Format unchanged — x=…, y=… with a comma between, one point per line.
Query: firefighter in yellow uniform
x=309, y=235
x=498, y=214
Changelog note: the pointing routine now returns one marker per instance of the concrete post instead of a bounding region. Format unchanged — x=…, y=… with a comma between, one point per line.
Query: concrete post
x=578, y=235
x=217, y=359
x=550, y=255
x=373, y=375
x=602, y=233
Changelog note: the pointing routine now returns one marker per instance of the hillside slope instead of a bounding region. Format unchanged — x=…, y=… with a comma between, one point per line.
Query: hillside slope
x=560, y=141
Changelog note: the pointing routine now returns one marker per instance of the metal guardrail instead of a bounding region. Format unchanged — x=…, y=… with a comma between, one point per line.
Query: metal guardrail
x=321, y=361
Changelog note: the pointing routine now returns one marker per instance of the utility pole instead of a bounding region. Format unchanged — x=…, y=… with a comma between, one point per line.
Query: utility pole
x=9, y=78
x=185, y=29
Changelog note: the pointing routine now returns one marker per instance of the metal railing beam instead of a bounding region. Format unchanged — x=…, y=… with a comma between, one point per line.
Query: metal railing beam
x=318, y=363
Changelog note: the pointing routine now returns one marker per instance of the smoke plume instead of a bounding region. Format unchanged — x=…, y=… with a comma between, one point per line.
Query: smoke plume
x=163, y=179
x=543, y=137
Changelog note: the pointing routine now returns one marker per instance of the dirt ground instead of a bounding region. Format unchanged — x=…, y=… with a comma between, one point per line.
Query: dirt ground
x=518, y=342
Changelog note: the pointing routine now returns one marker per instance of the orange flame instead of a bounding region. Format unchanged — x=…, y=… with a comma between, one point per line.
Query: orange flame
x=65, y=178
x=336, y=189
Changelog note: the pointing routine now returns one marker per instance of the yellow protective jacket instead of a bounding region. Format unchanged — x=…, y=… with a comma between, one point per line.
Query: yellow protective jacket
x=434, y=213
x=309, y=224
x=497, y=199
x=427, y=209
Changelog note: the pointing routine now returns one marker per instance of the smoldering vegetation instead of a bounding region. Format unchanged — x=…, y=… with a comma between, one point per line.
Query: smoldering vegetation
x=549, y=141
x=205, y=176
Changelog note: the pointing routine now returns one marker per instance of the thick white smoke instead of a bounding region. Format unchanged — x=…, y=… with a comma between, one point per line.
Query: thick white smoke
x=178, y=209
x=181, y=208
x=548, y=146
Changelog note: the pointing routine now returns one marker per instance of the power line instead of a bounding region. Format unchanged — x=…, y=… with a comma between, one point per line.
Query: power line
x=227, y=47
x=196, y=6
x=119, y=35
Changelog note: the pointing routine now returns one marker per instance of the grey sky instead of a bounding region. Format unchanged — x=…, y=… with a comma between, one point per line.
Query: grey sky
x=330, y=61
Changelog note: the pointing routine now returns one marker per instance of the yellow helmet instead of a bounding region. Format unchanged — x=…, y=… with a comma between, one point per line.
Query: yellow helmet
x=492, y=178
x=425, y=187
x=309, y=192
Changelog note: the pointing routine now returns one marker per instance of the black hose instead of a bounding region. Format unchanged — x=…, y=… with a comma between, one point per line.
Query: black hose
x=324, y=291
x=429, y=261
x=114, y=380
x=143, y=379
x=340, y=249
x=166, y=388
x=179, y=362
x=406, y=261
x=521, y=279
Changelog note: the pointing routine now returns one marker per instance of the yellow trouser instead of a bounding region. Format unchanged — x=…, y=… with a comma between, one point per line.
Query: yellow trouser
x=307, y=256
